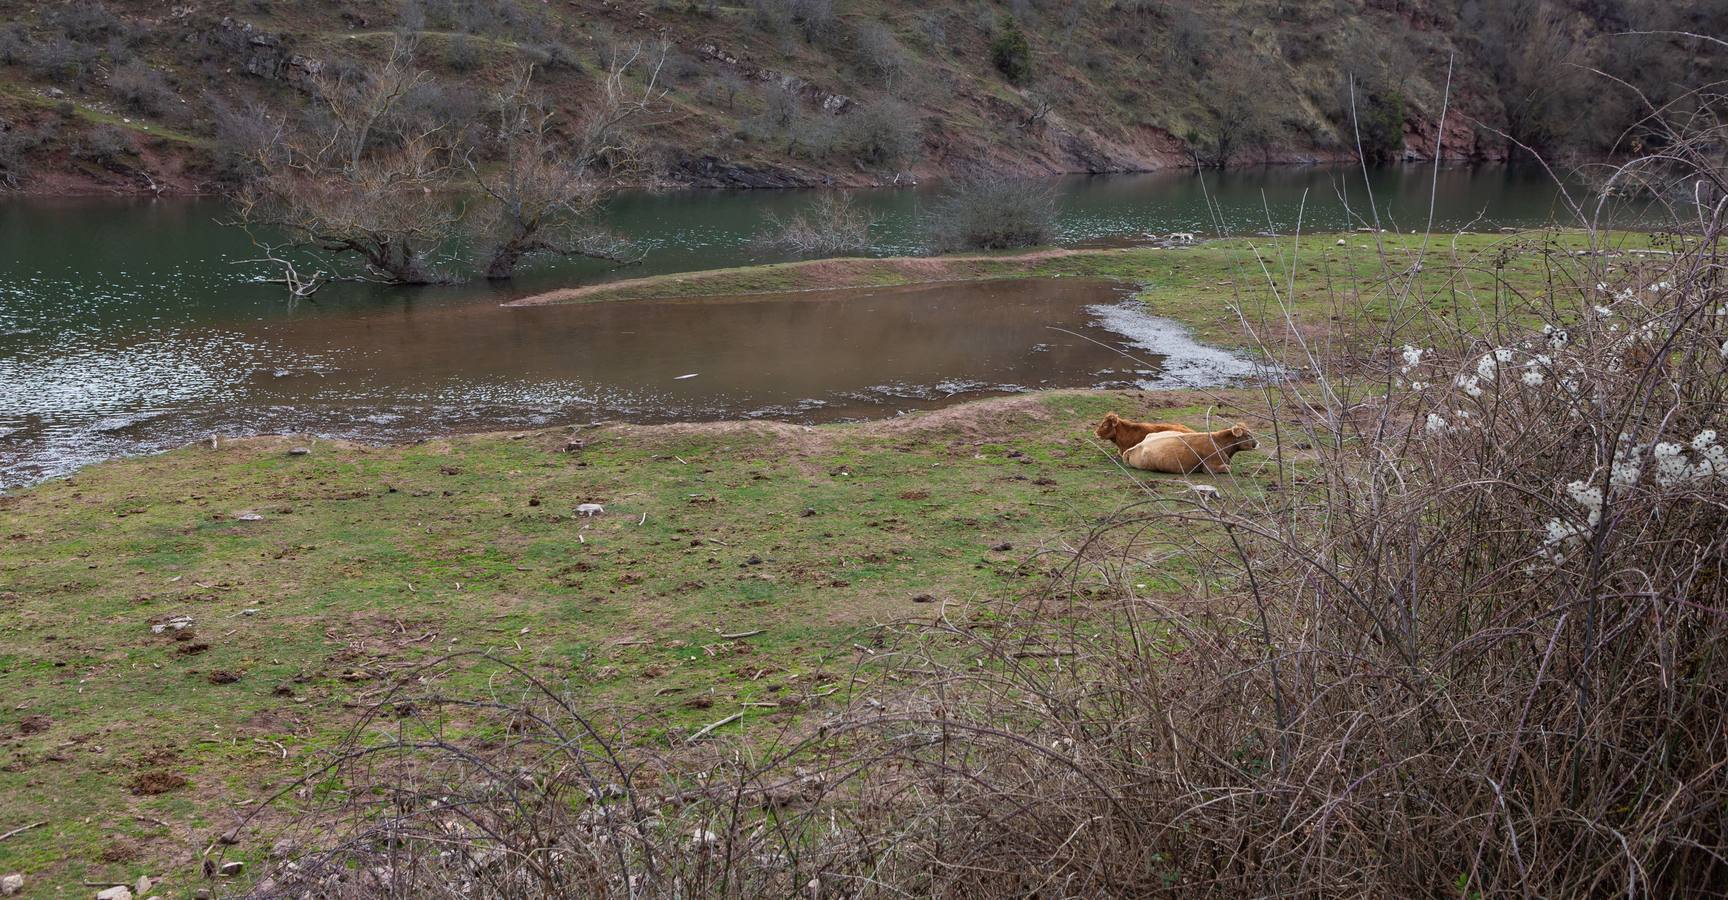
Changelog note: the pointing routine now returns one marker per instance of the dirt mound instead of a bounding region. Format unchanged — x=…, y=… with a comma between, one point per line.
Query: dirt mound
x=811, y=275
x=990, y=418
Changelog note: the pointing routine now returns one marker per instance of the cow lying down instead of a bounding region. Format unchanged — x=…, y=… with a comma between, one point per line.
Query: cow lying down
x=1185, y=453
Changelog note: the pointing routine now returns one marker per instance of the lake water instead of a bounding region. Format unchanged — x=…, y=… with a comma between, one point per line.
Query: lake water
x=134, y=325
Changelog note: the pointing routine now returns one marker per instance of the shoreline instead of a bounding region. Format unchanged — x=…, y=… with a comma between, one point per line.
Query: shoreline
x=182, y=180
x=829, y=273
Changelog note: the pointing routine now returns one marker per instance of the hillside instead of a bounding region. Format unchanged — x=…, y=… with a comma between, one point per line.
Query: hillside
x=129, y=95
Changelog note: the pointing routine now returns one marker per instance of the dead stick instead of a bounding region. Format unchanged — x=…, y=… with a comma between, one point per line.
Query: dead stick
x=710, y=727
x=25, y=828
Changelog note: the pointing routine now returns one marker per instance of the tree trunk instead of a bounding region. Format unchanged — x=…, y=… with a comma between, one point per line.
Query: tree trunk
x=502, y=265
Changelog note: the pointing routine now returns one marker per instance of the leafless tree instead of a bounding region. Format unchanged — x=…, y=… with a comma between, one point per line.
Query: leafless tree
x=542, y=199
x=831, y=225
x=355, y=179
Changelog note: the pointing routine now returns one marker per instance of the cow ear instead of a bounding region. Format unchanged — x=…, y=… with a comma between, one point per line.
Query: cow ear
x=1239, y=429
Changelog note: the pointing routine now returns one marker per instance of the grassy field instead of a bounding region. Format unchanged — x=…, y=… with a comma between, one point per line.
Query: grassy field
x=734, y=563
x=139, y=749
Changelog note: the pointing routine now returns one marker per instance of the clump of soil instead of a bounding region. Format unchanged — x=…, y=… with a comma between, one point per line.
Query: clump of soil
x=120, y=852
x=35, y=724
x=223, y=676
x=149, y=784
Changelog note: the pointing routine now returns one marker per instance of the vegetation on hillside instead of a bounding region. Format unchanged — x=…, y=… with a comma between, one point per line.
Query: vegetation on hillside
x=130, y=95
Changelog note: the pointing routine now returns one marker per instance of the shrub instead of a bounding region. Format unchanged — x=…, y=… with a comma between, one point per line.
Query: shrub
x=243, y=136
x=63, y=61
x=831, y=225
x=104, y=145
x=815, y=20
x=991, y=213
x=16, y=145
x=437, y=104
x=85, y=21
x=15, y=44
x=494, y=18
x=555, y=56
x=1010, y=53
x=142, y=89
x=878, y=53
x=1382, y=126
x=933, y=30
x=463, y=54
x=783, y=119
x=883, y=133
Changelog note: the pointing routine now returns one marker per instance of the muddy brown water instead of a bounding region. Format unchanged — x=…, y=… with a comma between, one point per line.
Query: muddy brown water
x=402, y=372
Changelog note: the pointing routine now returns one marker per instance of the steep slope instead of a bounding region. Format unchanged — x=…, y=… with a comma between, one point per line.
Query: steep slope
x=137, y=96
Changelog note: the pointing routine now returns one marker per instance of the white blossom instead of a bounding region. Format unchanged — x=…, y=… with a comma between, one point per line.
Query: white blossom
x=1589, y=497
x=1628, y=464
x=1533, y=377
x=1560, y=531
x=1412, y=358
x=1671, y=466
x=1470, y=385
x=1437, y=424
x=1485, y=369
x=1715, y=463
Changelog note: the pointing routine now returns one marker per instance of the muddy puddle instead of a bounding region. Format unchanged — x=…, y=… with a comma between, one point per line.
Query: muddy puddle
x=408, y=371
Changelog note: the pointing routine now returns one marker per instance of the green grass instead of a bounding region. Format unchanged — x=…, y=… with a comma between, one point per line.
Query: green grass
x=368, y=561
x=97, y=115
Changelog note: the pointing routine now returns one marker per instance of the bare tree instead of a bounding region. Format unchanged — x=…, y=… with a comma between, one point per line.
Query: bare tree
x=1246, y=119
x=355, y=178
x=542, y=199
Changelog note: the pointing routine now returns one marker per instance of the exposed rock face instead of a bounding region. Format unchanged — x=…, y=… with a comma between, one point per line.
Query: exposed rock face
x=714, y=172
x=269, y=55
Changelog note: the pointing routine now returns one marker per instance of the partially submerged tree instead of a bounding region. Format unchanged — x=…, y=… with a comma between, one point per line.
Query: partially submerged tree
x=986, y=212
x=370, y=170
x=543, y=197
x=355, y=178
x=832, y=224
